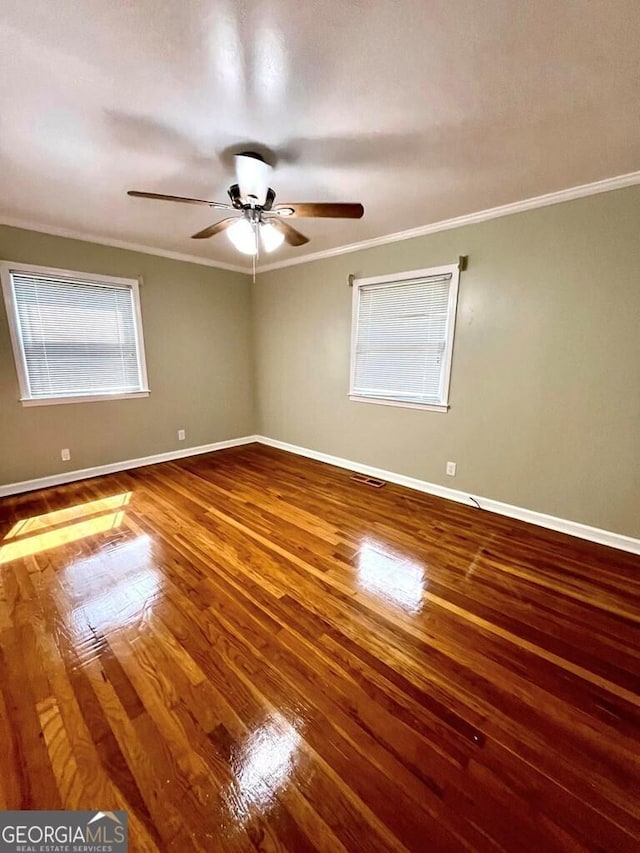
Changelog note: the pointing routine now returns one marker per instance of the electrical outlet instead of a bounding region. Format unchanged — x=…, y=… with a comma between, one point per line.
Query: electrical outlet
x=181, y=435
x=451, y=469
x=65, y=454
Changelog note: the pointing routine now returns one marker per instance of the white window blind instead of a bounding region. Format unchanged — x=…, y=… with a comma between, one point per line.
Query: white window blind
x=76, y=337
x=403, y=337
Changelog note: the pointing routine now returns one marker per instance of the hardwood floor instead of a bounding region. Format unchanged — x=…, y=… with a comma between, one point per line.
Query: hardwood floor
x=248, y=650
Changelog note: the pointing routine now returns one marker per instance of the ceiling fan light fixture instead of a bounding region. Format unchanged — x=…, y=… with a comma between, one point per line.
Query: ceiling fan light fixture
x=243, y=236
x=270, y=236
x=256, y=223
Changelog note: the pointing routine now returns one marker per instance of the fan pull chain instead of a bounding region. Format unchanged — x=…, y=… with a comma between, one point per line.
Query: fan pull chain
x=255, y=229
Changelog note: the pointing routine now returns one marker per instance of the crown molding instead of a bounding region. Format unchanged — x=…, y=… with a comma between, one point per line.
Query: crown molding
x=606, y=185
x=619, y=182
x=54, y=231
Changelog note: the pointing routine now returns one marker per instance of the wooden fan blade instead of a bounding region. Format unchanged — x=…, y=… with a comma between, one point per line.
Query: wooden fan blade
x=322, y=209
x=292, y=237
x=214, y=229
x=162, y=197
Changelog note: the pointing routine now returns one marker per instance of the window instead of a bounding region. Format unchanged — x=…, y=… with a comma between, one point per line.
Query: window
x=75, y=337
x=402, y=338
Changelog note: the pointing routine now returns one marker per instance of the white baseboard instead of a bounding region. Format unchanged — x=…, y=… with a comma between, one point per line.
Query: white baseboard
x=114, y=467
x=572, y=528
x=562, y=525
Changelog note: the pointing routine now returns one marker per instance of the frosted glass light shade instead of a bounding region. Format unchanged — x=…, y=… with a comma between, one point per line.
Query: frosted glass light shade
x=253, y=178
x=243, y=236
x=270, y=236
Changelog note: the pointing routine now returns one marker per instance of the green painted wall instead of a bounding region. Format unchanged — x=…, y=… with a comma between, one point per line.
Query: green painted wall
x=545, y=388
x=196, y=323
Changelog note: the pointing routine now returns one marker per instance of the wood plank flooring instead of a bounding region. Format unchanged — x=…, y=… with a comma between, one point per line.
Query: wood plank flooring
x=249, y=651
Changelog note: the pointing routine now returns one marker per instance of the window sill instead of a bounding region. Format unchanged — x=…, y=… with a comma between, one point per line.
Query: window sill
x=381, y=401
x=83, y=398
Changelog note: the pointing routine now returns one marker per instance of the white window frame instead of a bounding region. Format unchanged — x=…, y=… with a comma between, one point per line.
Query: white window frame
x=6, y=268
x=399, y=279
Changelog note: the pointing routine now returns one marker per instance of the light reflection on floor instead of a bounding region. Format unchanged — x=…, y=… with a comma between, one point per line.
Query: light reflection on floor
x=62, y=536
x=390, y=576
x=113, y=590
x=40, y=533
x=263, y=764
x=70, y=513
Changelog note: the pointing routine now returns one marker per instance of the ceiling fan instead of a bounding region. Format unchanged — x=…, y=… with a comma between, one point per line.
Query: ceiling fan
x=256, y=221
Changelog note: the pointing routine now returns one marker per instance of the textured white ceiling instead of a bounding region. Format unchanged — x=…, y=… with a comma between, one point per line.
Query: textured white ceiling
x=421, y=109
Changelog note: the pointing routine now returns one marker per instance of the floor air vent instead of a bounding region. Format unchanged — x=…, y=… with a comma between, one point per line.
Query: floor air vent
x=368, y=481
